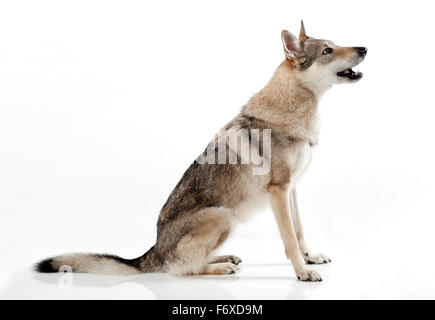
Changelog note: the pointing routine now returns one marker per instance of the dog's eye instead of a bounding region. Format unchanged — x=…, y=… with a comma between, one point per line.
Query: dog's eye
x=327, y=51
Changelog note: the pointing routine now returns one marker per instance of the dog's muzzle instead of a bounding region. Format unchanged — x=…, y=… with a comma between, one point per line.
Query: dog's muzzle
x=349, y=73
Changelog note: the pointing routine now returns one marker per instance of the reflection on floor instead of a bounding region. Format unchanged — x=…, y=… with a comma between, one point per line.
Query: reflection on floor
x=265, y=276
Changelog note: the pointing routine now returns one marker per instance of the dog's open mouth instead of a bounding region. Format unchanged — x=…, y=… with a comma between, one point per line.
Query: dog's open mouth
x=350, y=74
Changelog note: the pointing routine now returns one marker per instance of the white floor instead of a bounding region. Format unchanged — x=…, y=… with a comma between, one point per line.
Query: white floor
x=264, y=274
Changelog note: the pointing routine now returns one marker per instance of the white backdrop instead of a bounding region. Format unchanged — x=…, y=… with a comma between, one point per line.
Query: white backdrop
x=104, y=104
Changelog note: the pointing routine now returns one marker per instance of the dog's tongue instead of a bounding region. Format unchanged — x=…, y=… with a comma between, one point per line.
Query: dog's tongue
x=347, y=71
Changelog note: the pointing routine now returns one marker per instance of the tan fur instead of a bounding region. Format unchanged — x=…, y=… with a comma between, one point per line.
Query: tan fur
x=343, y=53
x=286, y=103
x=219, y=268
x=228, y=258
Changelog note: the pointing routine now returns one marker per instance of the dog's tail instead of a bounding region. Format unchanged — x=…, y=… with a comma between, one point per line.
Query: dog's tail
x=101, y=264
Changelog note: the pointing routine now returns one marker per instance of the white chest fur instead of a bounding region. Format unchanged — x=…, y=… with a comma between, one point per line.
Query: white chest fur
x=299, y=159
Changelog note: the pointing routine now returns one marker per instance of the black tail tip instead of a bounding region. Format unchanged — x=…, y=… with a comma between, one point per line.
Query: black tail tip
x=45, y=266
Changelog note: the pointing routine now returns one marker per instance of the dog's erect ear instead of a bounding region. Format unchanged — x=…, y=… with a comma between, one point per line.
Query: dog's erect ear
x=292, y=45
x=302, y=34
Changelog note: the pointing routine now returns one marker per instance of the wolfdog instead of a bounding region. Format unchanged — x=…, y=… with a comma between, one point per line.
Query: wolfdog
x=214, y=196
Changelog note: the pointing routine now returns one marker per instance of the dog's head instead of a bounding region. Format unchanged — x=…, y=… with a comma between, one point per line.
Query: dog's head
x=321, y=62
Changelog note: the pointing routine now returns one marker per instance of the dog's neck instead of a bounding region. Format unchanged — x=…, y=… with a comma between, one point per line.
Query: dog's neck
x=288, y=102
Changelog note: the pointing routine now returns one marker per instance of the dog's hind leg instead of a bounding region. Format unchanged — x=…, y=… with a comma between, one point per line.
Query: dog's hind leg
x=229, y=258
x=209, y=228
x=308, y=256
x=219, y=268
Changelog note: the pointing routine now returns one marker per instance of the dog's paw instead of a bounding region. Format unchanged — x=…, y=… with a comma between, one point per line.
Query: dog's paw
x=316, y=258
x=228, y=268
x=308, y=275
x=234, y=259
x=228, y=258
x=220, y=268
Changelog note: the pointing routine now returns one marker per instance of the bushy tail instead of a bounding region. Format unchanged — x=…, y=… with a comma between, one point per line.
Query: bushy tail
x=101, y=264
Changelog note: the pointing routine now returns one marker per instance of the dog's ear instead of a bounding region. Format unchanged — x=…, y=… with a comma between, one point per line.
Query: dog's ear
x=302, y=35
x=292, y=46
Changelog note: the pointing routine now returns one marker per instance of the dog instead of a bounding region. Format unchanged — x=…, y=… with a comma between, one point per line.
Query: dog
x=218, y=191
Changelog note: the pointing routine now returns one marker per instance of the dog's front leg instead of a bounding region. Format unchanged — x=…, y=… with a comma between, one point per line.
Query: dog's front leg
x=280, y=202
x=308, y=256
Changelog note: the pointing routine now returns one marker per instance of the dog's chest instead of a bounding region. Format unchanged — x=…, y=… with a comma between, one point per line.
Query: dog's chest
x=299, y=159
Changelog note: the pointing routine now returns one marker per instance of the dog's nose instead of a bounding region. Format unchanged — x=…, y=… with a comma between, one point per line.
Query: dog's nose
x=362, y=51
